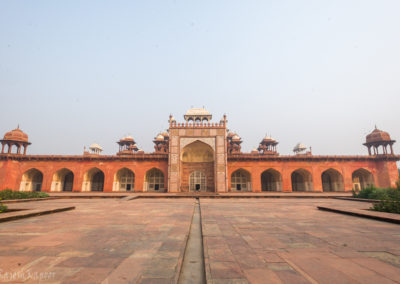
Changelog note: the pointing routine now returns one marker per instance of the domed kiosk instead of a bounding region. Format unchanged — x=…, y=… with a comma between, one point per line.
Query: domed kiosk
x=376, y=139
x=268, y=146
x=197, y=115
x=127, y=146
x=15, y=138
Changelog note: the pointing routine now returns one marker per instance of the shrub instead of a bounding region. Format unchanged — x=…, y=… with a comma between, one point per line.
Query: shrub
x=7, y=194
x=3, y=208
x=389, y=198
x=372, y=192
x=390, y=206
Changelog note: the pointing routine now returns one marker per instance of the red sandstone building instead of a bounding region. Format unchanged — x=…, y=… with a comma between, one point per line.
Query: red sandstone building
x=196, y=155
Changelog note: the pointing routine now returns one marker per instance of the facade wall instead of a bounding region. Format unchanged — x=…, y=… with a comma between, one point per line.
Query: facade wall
x=384, y=173
x=11, y=172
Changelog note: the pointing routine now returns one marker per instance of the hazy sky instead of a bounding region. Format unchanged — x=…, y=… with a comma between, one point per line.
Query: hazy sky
x=320, y=72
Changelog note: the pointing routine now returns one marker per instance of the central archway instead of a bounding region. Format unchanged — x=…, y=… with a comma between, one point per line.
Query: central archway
x=197, y=157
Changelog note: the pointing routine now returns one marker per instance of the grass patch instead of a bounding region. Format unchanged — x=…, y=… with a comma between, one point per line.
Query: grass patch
x=8, y=194
x=389, y=198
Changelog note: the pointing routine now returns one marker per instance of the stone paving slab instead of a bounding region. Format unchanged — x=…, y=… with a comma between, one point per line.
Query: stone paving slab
x=102, y=241
x=291, y=241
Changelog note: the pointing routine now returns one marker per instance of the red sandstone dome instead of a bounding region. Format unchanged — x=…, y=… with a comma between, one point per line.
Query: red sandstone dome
x=236, y=137
x=16, y=135
x=268, y=139
x=159, y=137
x=127, y=139
x=378, y=136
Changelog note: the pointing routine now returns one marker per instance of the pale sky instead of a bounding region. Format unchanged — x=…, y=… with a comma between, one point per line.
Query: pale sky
x=320, y=72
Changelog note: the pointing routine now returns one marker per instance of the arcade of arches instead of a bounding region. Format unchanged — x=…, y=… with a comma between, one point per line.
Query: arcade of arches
x=198, y=164
x=197, y=155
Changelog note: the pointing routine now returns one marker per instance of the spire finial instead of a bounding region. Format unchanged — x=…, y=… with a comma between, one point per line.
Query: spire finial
x=18, y=126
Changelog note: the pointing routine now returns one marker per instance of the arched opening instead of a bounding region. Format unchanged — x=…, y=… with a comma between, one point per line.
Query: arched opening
x=332, y=180
x=197, y=181
x=68, y=182
x=271, y=180
x=302, y=180
x=240, y=181
x=93, y=180
x=197, y=156
x=197, y=120
x=124, y=180
x=155, y=180
x=63, y=180
x=362, y=179
x=97, y=181
x=31, y=180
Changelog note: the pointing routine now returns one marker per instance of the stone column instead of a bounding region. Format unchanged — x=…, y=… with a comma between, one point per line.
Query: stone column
x=256, y=181
x=286, y=180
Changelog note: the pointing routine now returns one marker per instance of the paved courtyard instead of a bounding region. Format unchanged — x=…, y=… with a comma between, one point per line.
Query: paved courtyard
x=245, y=241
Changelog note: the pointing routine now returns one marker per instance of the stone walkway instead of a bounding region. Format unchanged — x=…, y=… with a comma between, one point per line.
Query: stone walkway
x=245, y=241
x=290, y=241
x=107, y=241
x=196, y=194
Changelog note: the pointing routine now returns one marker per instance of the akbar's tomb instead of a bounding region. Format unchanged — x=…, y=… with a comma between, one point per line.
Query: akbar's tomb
x=196, y=155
